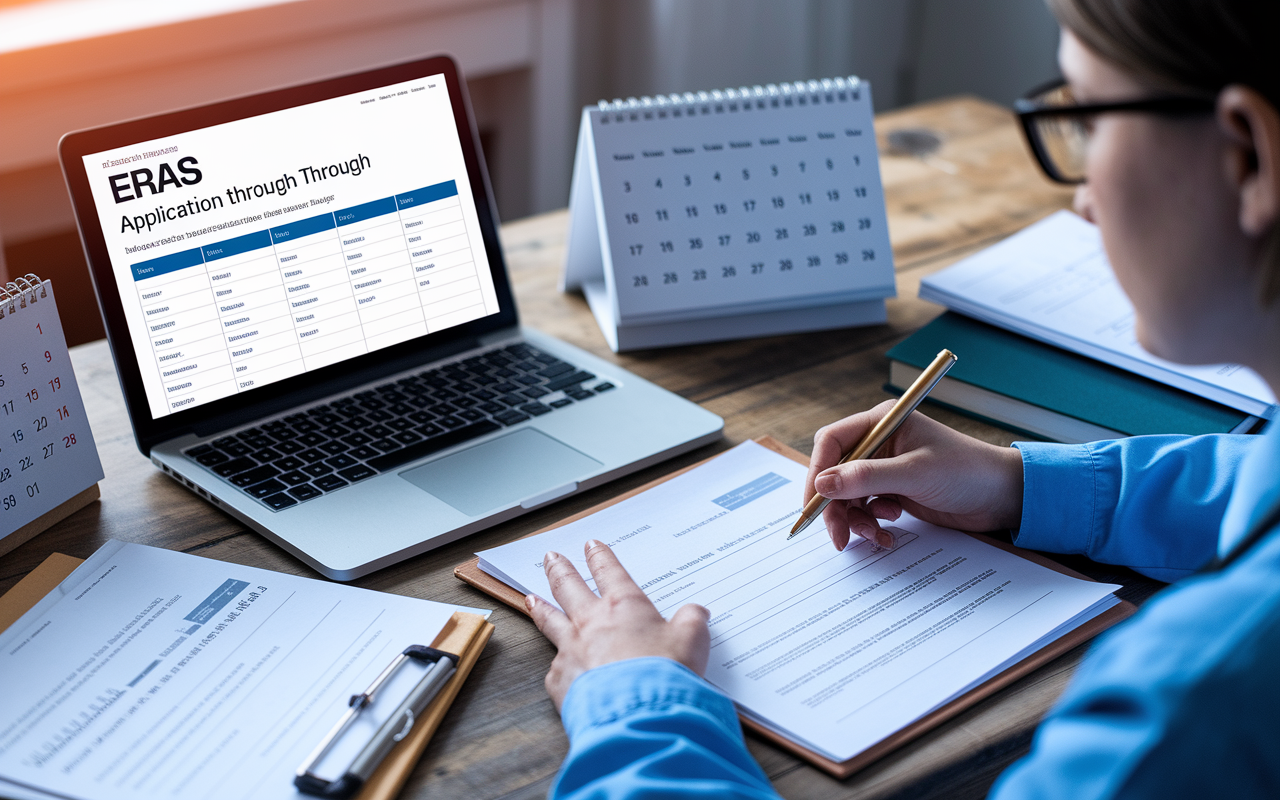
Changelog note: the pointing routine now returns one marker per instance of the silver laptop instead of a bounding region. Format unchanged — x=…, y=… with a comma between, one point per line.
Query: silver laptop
x=308, y=307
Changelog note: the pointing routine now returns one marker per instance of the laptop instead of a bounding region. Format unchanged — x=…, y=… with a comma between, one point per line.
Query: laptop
x=306, y=300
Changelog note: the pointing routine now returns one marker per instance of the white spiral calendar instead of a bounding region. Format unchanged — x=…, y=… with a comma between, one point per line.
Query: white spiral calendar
x=49, y=465
x=730, y=214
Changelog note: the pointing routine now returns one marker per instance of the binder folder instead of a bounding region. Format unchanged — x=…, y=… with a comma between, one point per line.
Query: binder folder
x=465, y=635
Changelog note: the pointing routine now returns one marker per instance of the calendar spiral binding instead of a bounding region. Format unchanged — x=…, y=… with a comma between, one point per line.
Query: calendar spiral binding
x=744, y=98
x=17, y=293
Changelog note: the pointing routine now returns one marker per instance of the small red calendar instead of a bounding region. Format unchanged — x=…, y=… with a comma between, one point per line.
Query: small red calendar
x=49, y=466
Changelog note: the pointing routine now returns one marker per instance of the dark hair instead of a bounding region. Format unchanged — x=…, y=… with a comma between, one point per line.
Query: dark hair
x=1189, y=47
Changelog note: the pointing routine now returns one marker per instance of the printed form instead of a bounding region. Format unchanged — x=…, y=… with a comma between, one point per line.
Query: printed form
x=155, y=674
x=836, y=650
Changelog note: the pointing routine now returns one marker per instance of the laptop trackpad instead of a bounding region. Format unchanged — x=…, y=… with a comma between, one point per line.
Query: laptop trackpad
x=501, y=472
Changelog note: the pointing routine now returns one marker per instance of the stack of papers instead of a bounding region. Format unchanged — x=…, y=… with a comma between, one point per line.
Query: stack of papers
x=1052, y=282
x=833, y=650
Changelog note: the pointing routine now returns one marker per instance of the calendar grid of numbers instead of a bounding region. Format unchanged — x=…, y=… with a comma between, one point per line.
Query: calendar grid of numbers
x=47, y=453
x=737, y=201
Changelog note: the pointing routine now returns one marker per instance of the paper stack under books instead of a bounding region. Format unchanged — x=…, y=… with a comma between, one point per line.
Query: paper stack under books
x=1047, y=347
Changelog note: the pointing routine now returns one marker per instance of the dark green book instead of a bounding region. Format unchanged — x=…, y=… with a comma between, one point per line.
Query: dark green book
x=1047, y=392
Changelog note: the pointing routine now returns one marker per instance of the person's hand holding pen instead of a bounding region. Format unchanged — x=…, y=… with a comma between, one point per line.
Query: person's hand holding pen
x=935, y=473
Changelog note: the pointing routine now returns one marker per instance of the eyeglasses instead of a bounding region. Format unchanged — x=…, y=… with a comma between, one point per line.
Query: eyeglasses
x=1058, y=128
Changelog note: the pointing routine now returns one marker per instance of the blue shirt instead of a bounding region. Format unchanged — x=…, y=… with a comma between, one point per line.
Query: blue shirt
x=1181, y=700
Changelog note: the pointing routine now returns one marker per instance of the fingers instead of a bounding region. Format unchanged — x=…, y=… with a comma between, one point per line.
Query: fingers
x=871, y=476
x=864, y=524
x=567, y=586
x=690, y=626
x=691, y=615
x=611, y=577
x=837, y=521
x=832, y=442
x=845, y=520
x=550, y=620
x=889, y=508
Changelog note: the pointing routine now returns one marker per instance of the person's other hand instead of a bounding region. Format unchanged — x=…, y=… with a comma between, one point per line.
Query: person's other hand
x=933, y=472
x=619, y=624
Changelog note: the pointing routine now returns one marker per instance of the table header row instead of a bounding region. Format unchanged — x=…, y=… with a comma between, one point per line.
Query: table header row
x=304, y=227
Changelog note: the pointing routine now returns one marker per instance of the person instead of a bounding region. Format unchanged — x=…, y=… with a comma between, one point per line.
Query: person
x=1169, y=116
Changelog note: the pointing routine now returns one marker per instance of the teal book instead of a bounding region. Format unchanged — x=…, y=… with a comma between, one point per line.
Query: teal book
x=1050, y=393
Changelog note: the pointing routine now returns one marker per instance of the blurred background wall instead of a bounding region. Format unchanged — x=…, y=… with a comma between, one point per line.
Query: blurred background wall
x=531, y=66
x=910, y=50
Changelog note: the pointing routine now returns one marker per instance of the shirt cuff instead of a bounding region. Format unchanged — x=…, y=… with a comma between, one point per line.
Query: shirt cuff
x=1059, y=496
x=639, y=685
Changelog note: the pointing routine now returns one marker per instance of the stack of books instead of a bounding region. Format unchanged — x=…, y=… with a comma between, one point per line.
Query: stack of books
x=1046, y=347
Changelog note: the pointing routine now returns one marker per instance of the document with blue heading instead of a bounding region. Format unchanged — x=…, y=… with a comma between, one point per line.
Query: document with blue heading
x=150, y=673
x=834, y=650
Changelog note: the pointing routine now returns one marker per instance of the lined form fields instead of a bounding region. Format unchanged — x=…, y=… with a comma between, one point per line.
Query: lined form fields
x=254, y=317
x=440, y=251
x=321, y=304
x=267, y=305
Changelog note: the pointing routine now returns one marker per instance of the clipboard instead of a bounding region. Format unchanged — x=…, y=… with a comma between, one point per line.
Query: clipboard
x=469, y=572
x=464, y=635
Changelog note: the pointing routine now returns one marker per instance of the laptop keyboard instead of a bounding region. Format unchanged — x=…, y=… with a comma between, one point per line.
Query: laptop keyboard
x=303, y=456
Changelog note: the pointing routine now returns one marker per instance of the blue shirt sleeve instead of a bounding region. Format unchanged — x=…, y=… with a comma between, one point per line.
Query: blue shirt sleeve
x=649, y=727
x=1181, y=701
x=1151, y=503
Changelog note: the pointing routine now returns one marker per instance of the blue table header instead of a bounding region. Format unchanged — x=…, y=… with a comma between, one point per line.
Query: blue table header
x=164, y=264
x=215, y=602
x=745, y=494
x=374, y=208
x=236, y=246
x=293, y=230
x=428, y=194
x=303, y=227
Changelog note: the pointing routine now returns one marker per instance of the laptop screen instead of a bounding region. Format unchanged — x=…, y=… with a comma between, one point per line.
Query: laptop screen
x=256, y=250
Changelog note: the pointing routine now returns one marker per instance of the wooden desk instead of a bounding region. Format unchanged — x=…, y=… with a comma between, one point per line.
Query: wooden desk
x=503, y=738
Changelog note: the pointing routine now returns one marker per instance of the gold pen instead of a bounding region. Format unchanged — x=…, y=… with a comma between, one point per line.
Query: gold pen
x=882, y=430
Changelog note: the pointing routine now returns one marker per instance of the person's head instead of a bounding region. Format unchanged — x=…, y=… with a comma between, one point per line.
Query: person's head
x=1188, y=204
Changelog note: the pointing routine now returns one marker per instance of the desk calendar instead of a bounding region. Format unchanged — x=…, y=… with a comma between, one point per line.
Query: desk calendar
x=49, y=465
x=728, y=214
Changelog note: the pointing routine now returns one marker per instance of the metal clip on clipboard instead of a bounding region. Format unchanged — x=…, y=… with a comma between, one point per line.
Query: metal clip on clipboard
x=396, y=728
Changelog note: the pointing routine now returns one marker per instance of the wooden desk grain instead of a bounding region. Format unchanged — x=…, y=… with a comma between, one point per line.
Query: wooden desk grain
x=503, y=738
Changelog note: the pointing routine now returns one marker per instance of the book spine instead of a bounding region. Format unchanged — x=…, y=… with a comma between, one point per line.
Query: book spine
x=18, y=293
x=744, y=98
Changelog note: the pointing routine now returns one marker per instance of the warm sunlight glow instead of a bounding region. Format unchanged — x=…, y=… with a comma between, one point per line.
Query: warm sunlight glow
x=27, y=24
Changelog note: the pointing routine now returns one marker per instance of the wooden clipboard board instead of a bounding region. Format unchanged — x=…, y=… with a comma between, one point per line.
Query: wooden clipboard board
x=470, y=572
x=464, y=635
